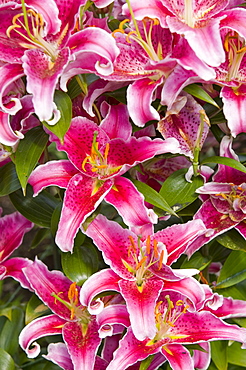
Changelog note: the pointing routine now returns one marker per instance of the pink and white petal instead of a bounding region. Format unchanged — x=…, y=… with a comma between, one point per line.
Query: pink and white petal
x=79, y=202
x=10, y=73
x=78, y=142
x=114, y=242
x=99, y=282
x=95, y=89
x=110, y=315
x=235, y=20
x=175, y=82
x=187, y=58
x=225, y=173
x=14, y=268
x=178, y=357
x=150, y=8
x=7, y=135
x=141, y=305
x=202, y=359
x=50, y=12
x=42, y=77
x=204, y=40
x=177, y=237
x=229, y=308
x=129, y=153
x=129, y=202
x=57, y=173
x=188, y=287
x=116, y=123
x=82, y=347
x=203, y=326
x=215, y=222
x=234, y=108
x=139, y=99
x=58, y=354
x=39, y=328
x=130, y=351
x=12, y=230
x=47, y=283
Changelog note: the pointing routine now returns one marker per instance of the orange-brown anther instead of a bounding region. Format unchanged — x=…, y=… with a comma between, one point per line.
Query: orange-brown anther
x=155, y=248
x=73, y=294
x=161, y=260
x=148, y=244
x=140, y=263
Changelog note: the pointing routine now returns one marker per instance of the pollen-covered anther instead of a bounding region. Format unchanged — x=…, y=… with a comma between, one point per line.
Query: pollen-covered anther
x=121, y=27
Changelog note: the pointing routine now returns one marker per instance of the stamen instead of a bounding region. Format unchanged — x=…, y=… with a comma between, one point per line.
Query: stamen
x=140, y=263
x=148, y=244
x=120, y=29
x=156, y=254
x=161, y=259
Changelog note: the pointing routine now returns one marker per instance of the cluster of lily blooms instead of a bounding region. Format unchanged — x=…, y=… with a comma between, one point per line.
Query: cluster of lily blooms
x=152, y=311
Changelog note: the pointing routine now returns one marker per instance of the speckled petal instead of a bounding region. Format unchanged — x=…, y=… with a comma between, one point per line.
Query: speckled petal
x=58, y=354
x=116, y=123
x=234, y=108
x=82, y=347
x=12, y=230
x=139, y=99
x=42, y=77
x=79, y=203
x=141, y=305
x=57, y=173
x=13, y=268
x=114, y=243
x=97, y=283
x=45, y=283
x=8, y=74
x=125, y=197
x=39, y=328
x=178, y=357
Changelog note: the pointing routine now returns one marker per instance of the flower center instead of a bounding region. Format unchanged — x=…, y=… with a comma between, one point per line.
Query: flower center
x=29, y=25
x=236, y=197
x=144, y=257
x=78, y=312
x=144, y=38
x=98, y=161
x=166, y=315
x=235, y=47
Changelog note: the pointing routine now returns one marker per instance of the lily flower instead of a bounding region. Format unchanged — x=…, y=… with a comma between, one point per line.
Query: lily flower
x=78, y=328
x=141, y=269
x=176, y=326
x=37, y=41
x=98, y=156
x=12, y=230
x=224, y=200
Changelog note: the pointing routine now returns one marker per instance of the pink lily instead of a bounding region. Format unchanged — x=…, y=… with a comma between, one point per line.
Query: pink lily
x=98, y=156
x=199, y=22
x=78, y=328
x=224, y=200
x=140, y=269
x=175, y=326
x=40, y=46
x=12, y=230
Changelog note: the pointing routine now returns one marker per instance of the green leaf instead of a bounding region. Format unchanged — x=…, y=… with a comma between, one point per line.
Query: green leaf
x=178, y=192
x=232, y=240
x=34, y=309
x=37, y=209
x=197, y=261
x=6, y=361
x=145, y=363
x=226, y=161
x=9, y=181
x=198, y=92
x=219, y=354
x=81, y=264
x=233, y=271
x=28, y=153
x=64, y=105
x=119, y=94
x=11, y=330
x=236, y=355
x=153, y=197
